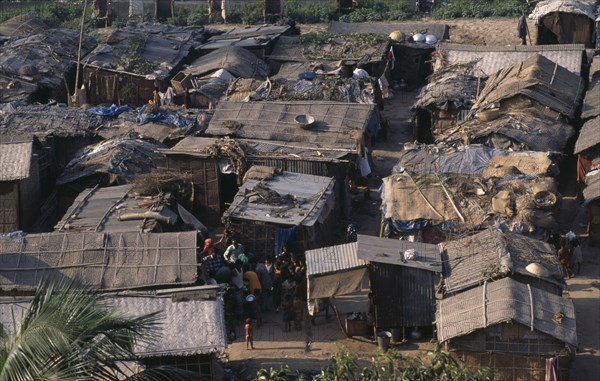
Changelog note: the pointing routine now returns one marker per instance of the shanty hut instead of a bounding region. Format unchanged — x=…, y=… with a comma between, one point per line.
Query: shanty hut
x=491, y=59
x=190, y=337
x=537, y=82
x=565, y=22
x=284, y=208
x=259, y=40
x=104, y=261
x=365, y=51
x=445, y=100
x=403, y=278
x=207, y=78
x=456, y=204
x=36, y=61
x=215, y=166
x=591, y=196
x=591, y=102
x=19, y=183
x=332, y=271
x=137, y=60
x=493, y=254
x=117, y=209
x=523, y=332
x=409, y=60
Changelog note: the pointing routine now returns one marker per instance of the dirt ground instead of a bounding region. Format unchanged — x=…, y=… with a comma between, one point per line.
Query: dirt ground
x=275, y=347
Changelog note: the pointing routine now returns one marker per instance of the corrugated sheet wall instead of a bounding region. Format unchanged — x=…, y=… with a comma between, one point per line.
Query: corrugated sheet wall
x=403, y=296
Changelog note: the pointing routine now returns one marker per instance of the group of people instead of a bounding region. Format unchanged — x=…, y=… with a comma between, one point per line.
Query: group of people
x=569, y=253
x=256, y=286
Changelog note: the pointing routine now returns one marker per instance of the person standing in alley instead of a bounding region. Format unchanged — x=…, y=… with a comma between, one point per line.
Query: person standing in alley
x=522, y=29
x=249, y=334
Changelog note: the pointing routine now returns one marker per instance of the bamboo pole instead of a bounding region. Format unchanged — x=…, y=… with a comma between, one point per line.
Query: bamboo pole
x=74, y=97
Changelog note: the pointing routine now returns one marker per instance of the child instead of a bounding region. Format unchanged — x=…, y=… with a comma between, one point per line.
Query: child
x=287, y=312
x=298, y=313
x=248, y=328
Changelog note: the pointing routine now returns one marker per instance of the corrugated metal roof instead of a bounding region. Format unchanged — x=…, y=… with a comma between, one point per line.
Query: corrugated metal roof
x=313, y=200
x=385, y=250
x=469, y=261
x=491, y=59
x=188, y=327
x=506, y=300
x=408, y=28
x=337, y=125
x=105, y=261
x=99, y=209
x=591, y=191
x=15, y=160
x=589, y=135
x=591, y=102
x=332, y=259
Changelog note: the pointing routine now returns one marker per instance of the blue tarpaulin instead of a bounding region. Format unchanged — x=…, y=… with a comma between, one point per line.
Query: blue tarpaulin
x=113, y=110
x=163, y=116
x=284, y=236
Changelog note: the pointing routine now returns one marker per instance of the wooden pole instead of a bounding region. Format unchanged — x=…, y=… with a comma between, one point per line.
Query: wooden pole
x=79, y=52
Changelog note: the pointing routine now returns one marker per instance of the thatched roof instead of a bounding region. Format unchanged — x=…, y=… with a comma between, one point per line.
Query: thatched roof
x=493, y=254
x=289, y=199
x=188, y=327
x=23, y=25
x=453, y=88
x=146, y=49
x=441, y=31
x=517, y=130
x=105, y=261
x=101, y=209
x=470, y=160
x=123, y=157
x=360, y=48
x=465, y=202
x=45, y=121
x=490, y=59
x=579, y=7
x=15, y=160
x=337, y=125
x=502, y=301
x=237, y=61
x=591, y=102
x=537, y=78
x=589, y=136
x=44, y=58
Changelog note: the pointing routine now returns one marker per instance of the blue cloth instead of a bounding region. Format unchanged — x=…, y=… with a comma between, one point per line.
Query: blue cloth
x=284, y=236
x=113, y=110
x=171, y=117
x=307, y=75
x=411, y=227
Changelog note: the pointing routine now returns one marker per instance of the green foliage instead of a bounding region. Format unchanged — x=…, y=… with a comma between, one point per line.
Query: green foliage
x=198, y=15
x=72, y=333
x=322, y=11
x=378, y=10
x=389, y=366
x=250, y=12
x=180, y=17
x=480, y=9
x=130, y=58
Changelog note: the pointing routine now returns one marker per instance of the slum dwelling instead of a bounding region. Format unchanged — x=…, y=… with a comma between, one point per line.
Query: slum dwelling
x=522, y=332
x=408, y=59
x=494, y=254
x=259, y=40
x=36, y=62
x=271, y=210
x=206, y=79
x=564, y=22
x=135, y=61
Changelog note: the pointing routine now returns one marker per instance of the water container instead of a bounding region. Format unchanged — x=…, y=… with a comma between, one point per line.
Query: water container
x=383, y=340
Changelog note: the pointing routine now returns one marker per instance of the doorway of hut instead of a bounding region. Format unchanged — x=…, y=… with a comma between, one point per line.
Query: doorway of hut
x=411, y=65
x=228, y=189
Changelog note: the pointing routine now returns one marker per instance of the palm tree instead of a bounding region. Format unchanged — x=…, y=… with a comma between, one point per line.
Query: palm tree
x=70, y=332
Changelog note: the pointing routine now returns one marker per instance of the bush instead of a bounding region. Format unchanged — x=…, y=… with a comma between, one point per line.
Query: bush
x=374, y=10
x=198, y=15
x=480, y=9
x=310, y=13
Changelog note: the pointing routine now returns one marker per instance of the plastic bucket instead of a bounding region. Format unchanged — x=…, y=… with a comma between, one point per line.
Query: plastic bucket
x=383, y=340
x=396, y=335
